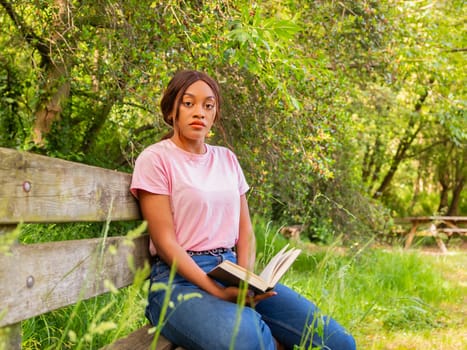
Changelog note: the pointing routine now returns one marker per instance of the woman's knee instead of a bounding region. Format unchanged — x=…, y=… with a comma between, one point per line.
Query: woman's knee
x=344, y=341
x=339, y=341
x=252, y=333
x=325, y=333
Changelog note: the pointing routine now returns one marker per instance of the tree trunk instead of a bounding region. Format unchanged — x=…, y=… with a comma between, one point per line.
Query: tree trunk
x=444, y=194
x=51, y=105
x=456, y=196
x=403, y=147
x=57, y=87
x=98, y=122
x=459, y=182
x=416, y=187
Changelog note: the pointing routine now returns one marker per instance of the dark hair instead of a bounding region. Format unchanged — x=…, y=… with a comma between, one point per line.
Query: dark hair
x=177, y=87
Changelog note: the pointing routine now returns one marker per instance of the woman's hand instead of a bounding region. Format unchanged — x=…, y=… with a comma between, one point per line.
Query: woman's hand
x=256, y=298
x=234, y=295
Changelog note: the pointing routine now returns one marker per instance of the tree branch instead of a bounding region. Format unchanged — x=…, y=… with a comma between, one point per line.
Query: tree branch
x=462, y=49
x=27, y=32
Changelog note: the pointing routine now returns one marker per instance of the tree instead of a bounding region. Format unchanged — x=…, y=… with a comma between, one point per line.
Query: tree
x=404, y=112
x=324, y=102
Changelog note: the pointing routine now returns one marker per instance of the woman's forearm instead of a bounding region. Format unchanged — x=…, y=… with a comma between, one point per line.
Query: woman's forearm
x=246, y=252
x=174, y=255
x=246, y=244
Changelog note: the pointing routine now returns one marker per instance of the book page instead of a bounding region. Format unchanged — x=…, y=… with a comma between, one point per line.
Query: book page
x=278, y=265
x=266, y=274
x=284, y=265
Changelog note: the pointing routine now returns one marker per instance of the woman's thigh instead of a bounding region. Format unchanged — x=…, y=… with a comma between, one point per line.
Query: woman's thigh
x=295, y=320
x=198, y=320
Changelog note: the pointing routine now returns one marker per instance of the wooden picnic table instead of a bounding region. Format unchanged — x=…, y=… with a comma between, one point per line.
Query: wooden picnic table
x=435, y=226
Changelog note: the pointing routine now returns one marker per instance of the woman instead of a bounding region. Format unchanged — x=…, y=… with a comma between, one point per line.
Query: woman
x=192, y=196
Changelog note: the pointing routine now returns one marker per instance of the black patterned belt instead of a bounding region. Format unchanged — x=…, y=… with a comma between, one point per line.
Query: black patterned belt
x=214, y=251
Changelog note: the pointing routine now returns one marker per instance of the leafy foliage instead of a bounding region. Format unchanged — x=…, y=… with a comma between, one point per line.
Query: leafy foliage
x=342, y=113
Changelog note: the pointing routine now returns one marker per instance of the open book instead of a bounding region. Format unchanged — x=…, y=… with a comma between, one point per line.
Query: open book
x=232, y=274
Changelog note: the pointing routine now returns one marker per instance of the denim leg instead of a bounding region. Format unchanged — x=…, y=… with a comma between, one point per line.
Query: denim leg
x=207, y=322
x=294, y=320
x=198, y=320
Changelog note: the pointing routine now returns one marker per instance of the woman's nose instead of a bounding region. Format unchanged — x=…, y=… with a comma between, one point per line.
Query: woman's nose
x=199, y=112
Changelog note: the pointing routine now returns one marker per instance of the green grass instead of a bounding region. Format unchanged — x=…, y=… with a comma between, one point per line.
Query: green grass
x=384, y=293
x=387, y=298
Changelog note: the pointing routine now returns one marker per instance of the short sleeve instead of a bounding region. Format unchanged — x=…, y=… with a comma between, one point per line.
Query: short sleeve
x=150, y=174
x=243, y=186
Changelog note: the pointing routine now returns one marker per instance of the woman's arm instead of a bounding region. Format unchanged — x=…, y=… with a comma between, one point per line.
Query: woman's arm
x=246, y=244
x=246, y=248
x=157, y=212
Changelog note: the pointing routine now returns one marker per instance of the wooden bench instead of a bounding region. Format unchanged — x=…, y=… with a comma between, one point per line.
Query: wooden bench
x=38, y=278
x=434, y=226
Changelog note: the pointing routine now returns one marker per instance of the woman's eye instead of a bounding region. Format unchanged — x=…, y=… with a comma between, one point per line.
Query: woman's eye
x=210, y=105
x=187, y=103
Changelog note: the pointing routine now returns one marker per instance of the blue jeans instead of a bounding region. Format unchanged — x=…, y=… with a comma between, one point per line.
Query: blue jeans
x=197, y=320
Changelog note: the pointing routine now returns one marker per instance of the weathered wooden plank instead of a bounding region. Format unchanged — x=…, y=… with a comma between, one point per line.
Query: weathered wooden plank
x=35, y=188
x=450, y=231
x=38, y=278
x=141, y=340
x=432, y=218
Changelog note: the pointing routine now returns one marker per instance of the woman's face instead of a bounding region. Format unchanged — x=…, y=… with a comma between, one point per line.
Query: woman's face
x=196, y=112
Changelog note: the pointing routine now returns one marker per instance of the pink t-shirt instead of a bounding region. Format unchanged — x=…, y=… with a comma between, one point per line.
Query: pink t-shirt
x=204, y=191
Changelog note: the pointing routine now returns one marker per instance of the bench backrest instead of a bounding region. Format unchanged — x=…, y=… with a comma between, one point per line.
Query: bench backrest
x=37, y=278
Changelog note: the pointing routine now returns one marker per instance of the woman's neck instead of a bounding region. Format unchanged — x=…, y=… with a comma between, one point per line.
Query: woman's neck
x=197, y=147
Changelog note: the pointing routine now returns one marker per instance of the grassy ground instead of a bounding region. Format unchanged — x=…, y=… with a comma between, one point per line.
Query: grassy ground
x=386, y=297
x=446, y=327
x=393, y=299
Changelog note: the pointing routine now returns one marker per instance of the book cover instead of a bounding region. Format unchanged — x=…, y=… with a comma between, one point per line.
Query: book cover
x=232, y=274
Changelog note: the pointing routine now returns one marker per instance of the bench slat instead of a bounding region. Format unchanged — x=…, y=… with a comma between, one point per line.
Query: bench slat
x=35, y=188
x=451, y=231
x=141, y=340
x=37, y=278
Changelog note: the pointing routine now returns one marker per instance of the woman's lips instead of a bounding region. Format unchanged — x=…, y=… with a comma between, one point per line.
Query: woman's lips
x=197, y=125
